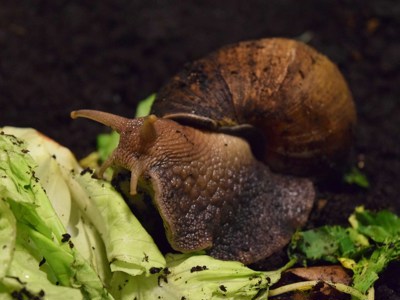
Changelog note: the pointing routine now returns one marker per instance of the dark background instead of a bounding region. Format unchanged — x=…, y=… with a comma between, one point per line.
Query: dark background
x=57, y=56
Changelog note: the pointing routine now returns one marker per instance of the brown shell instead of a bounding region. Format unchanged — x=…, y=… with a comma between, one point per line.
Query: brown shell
x=294, y=95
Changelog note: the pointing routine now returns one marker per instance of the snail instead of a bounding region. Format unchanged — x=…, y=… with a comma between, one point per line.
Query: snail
x=231, y=142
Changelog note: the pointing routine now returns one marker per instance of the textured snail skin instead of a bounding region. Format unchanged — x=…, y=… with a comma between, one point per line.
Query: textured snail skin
x=273, y=100
x=294, y=96
x=210, y=191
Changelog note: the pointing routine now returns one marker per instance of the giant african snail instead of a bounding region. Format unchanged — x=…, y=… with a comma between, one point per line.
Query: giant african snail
x=275, y=99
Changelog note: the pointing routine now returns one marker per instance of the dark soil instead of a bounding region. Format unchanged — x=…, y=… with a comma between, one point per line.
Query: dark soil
x=57, y=56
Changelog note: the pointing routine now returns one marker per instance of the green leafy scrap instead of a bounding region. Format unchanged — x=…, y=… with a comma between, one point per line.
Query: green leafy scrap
x=106, y=143
x=382, y=226
x=327, y=243
x=355, y=176
x=367, y=270
x=144, y=107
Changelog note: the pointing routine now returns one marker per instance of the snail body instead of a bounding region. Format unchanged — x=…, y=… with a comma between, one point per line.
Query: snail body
x=200, y=149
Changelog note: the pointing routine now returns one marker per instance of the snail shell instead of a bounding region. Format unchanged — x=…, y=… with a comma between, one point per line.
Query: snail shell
x=289, y=101
x=199, y=150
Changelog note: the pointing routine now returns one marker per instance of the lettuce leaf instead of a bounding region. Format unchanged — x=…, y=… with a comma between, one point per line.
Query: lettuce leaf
x=37, y=221
x=47, y=198
x=129, y=248
x=195, y=277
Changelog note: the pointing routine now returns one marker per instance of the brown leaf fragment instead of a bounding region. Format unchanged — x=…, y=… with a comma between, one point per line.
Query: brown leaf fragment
x=333, y=273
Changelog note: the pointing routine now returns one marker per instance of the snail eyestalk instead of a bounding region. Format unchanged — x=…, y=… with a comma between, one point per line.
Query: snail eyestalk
x=117, y=123
x=147, y=131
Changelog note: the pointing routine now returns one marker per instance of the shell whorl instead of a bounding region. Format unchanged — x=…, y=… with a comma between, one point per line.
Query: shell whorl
x=294, y=96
